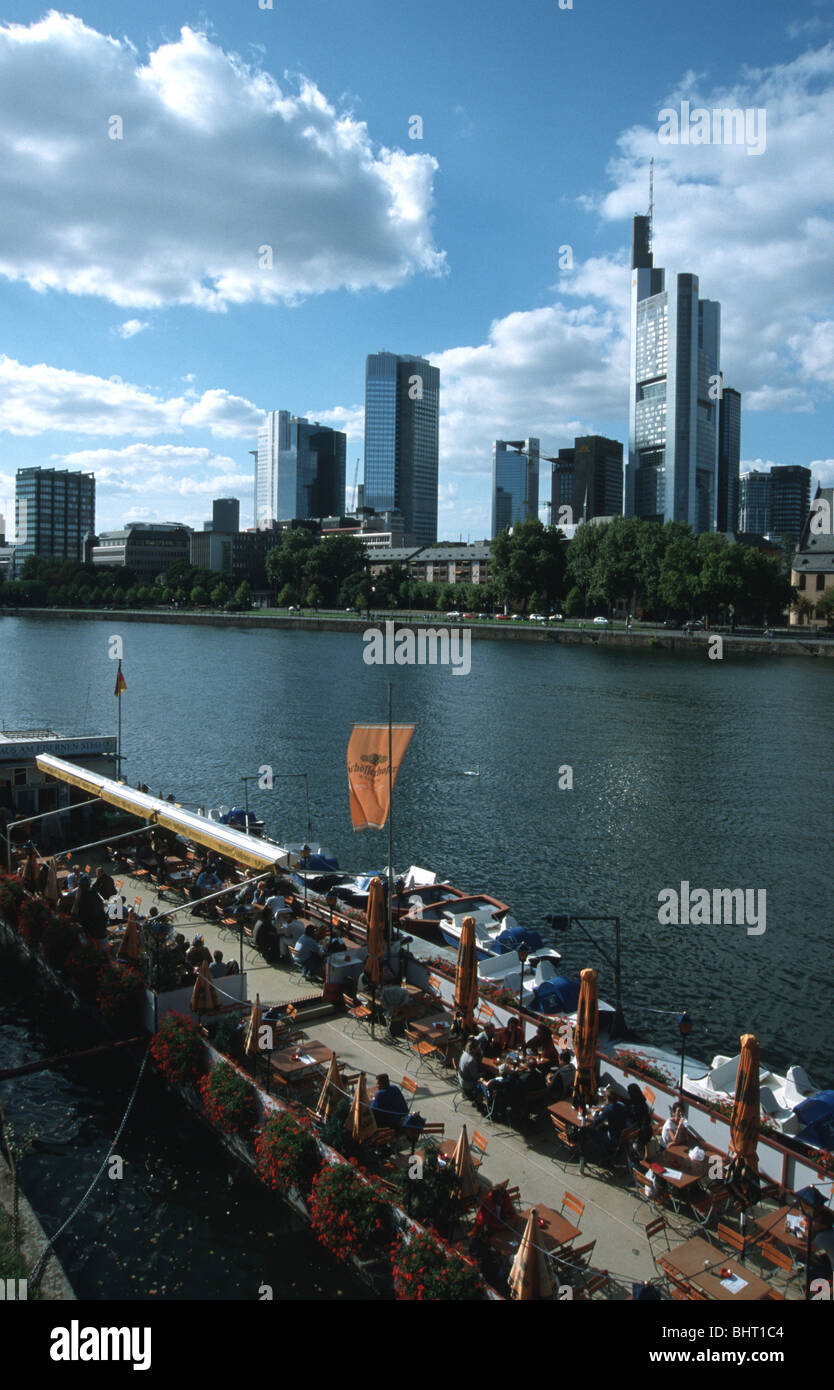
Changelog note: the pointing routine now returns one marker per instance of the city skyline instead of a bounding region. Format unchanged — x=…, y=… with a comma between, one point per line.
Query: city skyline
x=147, y=334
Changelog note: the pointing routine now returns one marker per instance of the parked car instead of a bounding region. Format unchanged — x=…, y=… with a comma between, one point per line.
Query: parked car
x=556, y=618
x=470, y=616
x=454, y=614
x=484, y=615
x=602, y=622
x=694, y=625
x=503, y=617
x=537, y=618
x=672, y=622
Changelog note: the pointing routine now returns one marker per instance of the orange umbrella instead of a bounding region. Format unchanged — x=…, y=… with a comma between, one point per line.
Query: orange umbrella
x=745, y=1123
x=29, y=876
x=530, y=1276
x=204, y=996
x=130, y=948
x=332, y=1091
x=253, y=1028
x=376, y=931
x=464, y=1168
x=362, y=1125
x=466, y=975
x=585, y=1041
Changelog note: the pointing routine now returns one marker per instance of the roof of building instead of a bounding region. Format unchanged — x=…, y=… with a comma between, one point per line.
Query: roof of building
x=815, y=552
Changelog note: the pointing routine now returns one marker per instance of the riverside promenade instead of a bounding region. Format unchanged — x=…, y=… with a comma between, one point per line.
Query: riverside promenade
x=800, y=643
x=615, y=1215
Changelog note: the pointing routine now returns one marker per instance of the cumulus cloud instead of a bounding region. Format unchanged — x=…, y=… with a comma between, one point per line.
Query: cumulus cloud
x=192, y=177
x=39, y=397
x=131, y=327
x=141, y=460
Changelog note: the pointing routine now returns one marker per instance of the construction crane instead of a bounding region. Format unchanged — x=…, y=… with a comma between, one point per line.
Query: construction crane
x=355, y=485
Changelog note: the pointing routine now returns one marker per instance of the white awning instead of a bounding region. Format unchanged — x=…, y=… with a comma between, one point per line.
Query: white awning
x=234, y=844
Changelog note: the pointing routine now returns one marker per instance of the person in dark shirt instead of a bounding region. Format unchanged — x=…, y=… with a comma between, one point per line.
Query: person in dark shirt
x=104, y=885
x=389, y=1107
x=609, y=1123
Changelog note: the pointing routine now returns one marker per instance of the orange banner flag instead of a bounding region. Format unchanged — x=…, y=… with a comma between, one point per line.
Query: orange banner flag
x=367, y=761
x=121, y=683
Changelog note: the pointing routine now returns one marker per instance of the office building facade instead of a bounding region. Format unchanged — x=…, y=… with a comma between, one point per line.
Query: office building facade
x=225, y=516
x=729, y=455
x=299, y=470
x=54, y=510
x=588, y=479
x=674, y=389
x=790, y=500
x=148, y=548
x=515, y=483
x=402, y=403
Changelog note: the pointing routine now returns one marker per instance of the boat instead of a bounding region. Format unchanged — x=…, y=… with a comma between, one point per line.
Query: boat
x=238, y=818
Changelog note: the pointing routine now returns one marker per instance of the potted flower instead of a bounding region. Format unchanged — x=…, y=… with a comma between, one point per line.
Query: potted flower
x=177, y=1048
x=228, y=1099
x=287, y=1153
x=11, y=896
x=84, y=964
x=59, y=937
x=349, y=1217
x=32, y=919
x=121, y=994
x=427, y=1269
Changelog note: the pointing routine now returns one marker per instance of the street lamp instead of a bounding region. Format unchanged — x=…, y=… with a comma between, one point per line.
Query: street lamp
x=685, y=1026
x=523, y=953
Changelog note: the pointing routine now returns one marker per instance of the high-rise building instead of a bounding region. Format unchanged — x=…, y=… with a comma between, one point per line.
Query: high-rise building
x=515, y=483
x=300, y=469
x=54, y=510
x=754, y=502
x=790, y=500
x=588, y=478
x=402, y=399
x=674, y=380
x=729, y=454
x=225, y=516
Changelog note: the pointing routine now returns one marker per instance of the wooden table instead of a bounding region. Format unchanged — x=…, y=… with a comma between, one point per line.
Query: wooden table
x=551, y=1232
x=564, y=1111
x=699, y=1263
x=288, y=1064
x=773, y=1226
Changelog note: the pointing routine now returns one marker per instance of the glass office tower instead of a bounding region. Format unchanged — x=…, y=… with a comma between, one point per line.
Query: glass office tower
x=402, y=397
x=300, y=469
x=515, y=482
x=729, y=455
x=54, y=510
x=675, y=363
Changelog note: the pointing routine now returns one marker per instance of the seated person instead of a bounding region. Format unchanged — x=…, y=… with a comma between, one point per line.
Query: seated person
x=488, y=1041
x=676, y=1130
x=197, y=953
x=469, y=1069
x=104, y=885
x=543, y=1043
x=73, y=877
x=307, y=952
x=640, y=1115
x=609, y=1122
x=218, y=968
x=499, y=1090
x=560, y=1080
x=208, y=882
x=496, y=1212
x=389, y=1106
x=511, y=1036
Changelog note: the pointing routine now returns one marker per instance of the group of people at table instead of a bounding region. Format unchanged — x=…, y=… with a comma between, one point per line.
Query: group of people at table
x=500, y=1072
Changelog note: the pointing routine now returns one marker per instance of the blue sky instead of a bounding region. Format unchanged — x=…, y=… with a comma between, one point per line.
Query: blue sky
x=143, y=340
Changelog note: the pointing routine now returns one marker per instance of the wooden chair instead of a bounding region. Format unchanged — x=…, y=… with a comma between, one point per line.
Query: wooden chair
x=573, y=1204
x=360, y=1013
x=486, y=1013
x=656, y=1228
x=434, y=984
x=650, y=1097
x=731, y=1238
x=563, y=1135
x=776, y=1257
x=422, y=1050
x=480, y=1145
x=409, y=1086
x=597, y=1283
x=581, y=1254
x=773, y=1296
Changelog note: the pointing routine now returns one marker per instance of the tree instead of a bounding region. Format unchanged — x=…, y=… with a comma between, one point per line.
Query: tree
x=582, y=557
x=243, y=596
x=531, y=559
x=199, y=597
x=825, y=607
x=315, y=597
x=679, y=578
x=574, y=604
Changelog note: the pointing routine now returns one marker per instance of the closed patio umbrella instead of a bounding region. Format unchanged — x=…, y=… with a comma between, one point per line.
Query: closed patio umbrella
x=361, y=1123
x=253, y=1028
x=745, y=1124
x=530, y=1276
x=585, y=1041
x=204, y=996
x=466, y=975
x=375, y=917
x=130, y=947
x=50, y=891
x=332, y=1091
x=464, y=1168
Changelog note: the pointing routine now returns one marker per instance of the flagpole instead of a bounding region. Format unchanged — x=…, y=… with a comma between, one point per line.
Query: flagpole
x=119, y=731
x=390, y=824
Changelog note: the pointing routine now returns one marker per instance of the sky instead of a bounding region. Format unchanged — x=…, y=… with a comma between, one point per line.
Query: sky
x=213, y=212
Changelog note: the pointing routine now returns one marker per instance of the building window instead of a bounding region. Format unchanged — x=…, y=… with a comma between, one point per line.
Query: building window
x=820, y=582
x=802, y=579
x=20, y=777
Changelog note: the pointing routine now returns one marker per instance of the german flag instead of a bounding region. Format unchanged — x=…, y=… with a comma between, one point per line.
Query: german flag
x=121, y=683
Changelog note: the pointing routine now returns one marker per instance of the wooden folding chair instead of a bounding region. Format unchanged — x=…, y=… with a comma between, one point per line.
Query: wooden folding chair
x=480, y=1145
x=360, y=1013
x=597, y=1283
x=410, y=1086
x=731, y=1238
x=563, y=1135
x=776, y=1257
x=573, y=1204
x=421, y=1049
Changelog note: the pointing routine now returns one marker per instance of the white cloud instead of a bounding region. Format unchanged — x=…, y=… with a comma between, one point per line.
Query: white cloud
x=230, y=416
x=37, y=398
x=212, y=156
x=131, y=327
x=141, y=460
x=349, y=419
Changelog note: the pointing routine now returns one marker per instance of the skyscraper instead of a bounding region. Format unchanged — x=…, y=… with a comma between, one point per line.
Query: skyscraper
x=588, y=478
x=754, y=502
x=515, y=482
x=54, y=510
x=775, y=504
x=225, y=515
x=300, y=469
x=674, y=381
x=401, y=440
x=729, y=454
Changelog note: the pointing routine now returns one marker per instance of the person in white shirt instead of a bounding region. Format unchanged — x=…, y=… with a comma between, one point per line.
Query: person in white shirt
x=676, y=1130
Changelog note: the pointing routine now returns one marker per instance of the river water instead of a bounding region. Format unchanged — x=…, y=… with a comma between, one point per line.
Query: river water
x=716, y=773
